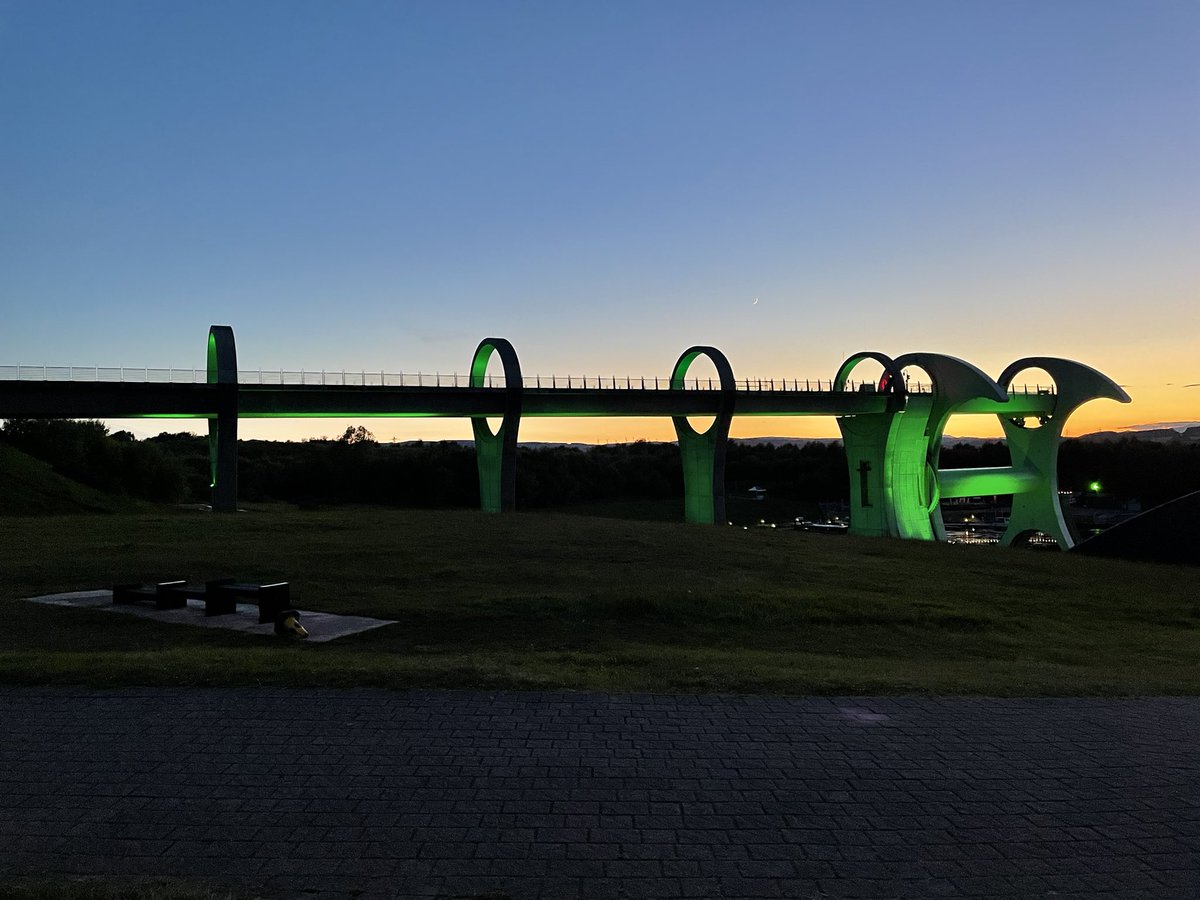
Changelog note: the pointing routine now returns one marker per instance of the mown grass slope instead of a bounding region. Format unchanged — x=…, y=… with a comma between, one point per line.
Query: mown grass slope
x=560, y=601
x=31, y=487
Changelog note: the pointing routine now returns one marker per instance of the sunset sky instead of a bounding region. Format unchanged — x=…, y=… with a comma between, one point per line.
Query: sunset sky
x=378, y=186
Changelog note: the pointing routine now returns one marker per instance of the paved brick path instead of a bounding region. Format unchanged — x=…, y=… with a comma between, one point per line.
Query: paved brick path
x=584, y=795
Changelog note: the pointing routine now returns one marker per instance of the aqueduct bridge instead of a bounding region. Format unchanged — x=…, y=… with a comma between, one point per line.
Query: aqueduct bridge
x=892, y=429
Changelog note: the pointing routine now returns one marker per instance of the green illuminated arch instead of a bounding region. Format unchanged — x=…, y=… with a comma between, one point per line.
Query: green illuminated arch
x=913, y=462
x=1034, y=451
x=869, y=441
x=222, y=355
x=496, y=453
x=703, y=453
x=892, y=382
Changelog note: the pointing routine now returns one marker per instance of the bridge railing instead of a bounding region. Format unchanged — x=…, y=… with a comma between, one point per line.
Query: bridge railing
x=111, y=374
x=361, y=378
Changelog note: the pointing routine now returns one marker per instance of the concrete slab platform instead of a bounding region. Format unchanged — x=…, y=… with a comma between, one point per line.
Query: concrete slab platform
x=321, y=626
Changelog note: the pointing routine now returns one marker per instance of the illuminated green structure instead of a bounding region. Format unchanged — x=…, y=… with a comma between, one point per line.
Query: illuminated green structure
x=704, y=453
x=1032, y=478
x=896, y=484
x=222, y=427
x=892, y=435
x=496, y=454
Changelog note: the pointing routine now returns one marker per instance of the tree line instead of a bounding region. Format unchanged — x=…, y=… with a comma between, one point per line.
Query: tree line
x=355, y=468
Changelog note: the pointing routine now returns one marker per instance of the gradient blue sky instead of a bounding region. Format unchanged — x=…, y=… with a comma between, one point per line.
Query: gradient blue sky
x=380, y=185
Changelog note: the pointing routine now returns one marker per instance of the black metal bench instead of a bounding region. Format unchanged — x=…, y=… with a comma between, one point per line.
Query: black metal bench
x=272, y=599
x=220, y=596
x=165, y=594
x=216, y=603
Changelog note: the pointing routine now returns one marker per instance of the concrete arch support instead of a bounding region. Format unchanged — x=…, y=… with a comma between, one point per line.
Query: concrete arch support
x=913, y=462
x=703, y=453
x=223, y=428
x=1034, y=451
x=496, y=453
x=869, y=441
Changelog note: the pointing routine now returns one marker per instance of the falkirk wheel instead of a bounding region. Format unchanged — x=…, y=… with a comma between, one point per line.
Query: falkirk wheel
x=892, y=434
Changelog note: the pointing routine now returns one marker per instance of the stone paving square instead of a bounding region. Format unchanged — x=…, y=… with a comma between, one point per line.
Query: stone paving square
x=368, y=793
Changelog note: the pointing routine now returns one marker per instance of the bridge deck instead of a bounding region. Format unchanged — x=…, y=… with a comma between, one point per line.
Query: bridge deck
x=78, y=399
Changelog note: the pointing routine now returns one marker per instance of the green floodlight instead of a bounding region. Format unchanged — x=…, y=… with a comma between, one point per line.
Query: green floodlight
x=1095, y=487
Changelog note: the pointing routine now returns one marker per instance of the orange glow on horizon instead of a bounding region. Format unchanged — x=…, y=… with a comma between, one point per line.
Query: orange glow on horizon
x=1153, y=408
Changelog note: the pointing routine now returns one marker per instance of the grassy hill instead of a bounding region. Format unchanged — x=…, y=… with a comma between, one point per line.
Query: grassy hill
x=30, y=487
x=539, y=600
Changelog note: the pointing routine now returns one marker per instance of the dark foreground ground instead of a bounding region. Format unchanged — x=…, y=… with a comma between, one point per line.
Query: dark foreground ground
x=453, y=794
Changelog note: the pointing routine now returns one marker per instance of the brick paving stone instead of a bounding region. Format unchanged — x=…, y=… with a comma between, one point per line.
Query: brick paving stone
x=336, y=793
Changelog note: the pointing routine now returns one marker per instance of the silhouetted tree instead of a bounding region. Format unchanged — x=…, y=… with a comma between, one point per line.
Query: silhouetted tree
x=85, y=452
x=355, y=468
